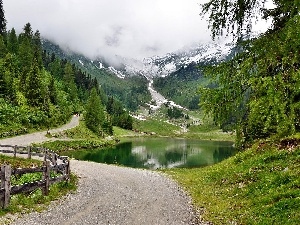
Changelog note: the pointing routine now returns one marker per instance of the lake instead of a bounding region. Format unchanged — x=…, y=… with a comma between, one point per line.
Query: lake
x=154, y=153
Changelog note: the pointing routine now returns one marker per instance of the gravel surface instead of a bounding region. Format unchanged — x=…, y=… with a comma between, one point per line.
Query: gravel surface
x=27, y=139
x=110, y=194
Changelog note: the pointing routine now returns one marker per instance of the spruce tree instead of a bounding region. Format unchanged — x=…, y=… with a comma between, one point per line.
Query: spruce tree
x=2, y=19
x=34, y=88
x=12, y=43
x=3, y=49
x=26, y=57
x=37, y=48
x=94, y=116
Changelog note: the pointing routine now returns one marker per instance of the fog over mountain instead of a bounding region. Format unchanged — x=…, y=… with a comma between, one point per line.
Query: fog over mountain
x=109, y=28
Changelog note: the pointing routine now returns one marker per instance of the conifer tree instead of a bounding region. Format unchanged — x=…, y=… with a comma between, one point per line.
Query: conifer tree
x=2, y=19
x=70, y=82
x=34, y=88
x=52, y=91
x=94, y=116
x=27, y=33
x=37, y=48
x=8, y=73
x=3, y=49
x=12, y=43
x=25, y=59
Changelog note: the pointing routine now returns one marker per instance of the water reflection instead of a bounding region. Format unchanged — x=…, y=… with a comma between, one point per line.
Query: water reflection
x=154, y=153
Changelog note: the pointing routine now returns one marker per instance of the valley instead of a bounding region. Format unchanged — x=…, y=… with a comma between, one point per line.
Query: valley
x=157, y=74
x=154, y=86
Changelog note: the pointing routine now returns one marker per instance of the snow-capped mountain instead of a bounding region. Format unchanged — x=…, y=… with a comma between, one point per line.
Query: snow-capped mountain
x=156, y=66
x=164, y=65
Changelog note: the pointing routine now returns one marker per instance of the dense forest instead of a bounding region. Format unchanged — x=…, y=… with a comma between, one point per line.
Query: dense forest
x=39, y=90
x=257, y=92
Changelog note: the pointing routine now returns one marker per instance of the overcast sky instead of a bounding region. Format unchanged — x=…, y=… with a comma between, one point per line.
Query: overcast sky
x=129, y=28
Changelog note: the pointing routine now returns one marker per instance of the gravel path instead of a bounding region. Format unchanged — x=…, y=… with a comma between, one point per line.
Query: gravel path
x=27, y=139
x=110, y=194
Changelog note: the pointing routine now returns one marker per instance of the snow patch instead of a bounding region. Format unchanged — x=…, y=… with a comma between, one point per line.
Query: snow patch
x=116, y=72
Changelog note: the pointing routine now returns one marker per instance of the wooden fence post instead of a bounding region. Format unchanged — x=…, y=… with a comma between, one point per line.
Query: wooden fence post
x=54, y=159
x=6, y=185
x=68, y=170
x=45, y=152
x=46, y=177
x=29, y=152
x=15, y=151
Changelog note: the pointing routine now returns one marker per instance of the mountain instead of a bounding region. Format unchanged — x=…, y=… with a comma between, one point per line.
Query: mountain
x=176, y=75
x=161, y=66
x=130, y=90
x=181, y=84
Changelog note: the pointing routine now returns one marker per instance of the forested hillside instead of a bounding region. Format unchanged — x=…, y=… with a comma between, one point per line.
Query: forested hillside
x=39, y=90
x=182, y=86
x=131, y=91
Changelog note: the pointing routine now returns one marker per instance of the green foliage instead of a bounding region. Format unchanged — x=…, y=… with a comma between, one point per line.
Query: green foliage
x=237, y=16
x=94, y=116
x=12, y=43
x=131, y=91
x=34, y=87
x=26, y=178
x=257, y=92
x=120, y=117
x=257, y=186
x=174, y=113
x=37, y=90
x=79, y=132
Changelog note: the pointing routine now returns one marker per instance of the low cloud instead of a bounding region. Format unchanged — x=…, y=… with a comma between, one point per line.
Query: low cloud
x=109, y=28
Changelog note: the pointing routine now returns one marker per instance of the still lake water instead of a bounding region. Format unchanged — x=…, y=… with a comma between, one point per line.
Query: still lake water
x=154, y=153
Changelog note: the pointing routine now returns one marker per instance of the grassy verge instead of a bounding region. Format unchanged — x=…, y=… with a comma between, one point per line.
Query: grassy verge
x=35, y=201
x=15, y=130
x=205, y=131
x=258, y=186
x=19, y=162
x=208, y=132
x=80, y=132
x=156, y=127
x=71, y=145
x=119, y=132
x=80, y=138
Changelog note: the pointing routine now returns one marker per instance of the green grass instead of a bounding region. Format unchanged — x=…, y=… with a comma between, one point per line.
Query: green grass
x=19, y=162
x=71, y=145
x=119, y=132
x=80, y=132
x=208, y=132
x=159, y=127
x=80, y=138
x=258, y=186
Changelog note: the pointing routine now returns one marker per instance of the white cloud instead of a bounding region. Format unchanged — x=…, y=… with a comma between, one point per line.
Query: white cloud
x=128, y=28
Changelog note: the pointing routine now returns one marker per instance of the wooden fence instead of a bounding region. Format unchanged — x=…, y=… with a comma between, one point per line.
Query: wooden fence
x=52, y=162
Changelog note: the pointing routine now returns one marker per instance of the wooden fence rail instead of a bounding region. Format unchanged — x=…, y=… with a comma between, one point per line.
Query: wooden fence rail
x=52, y=162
